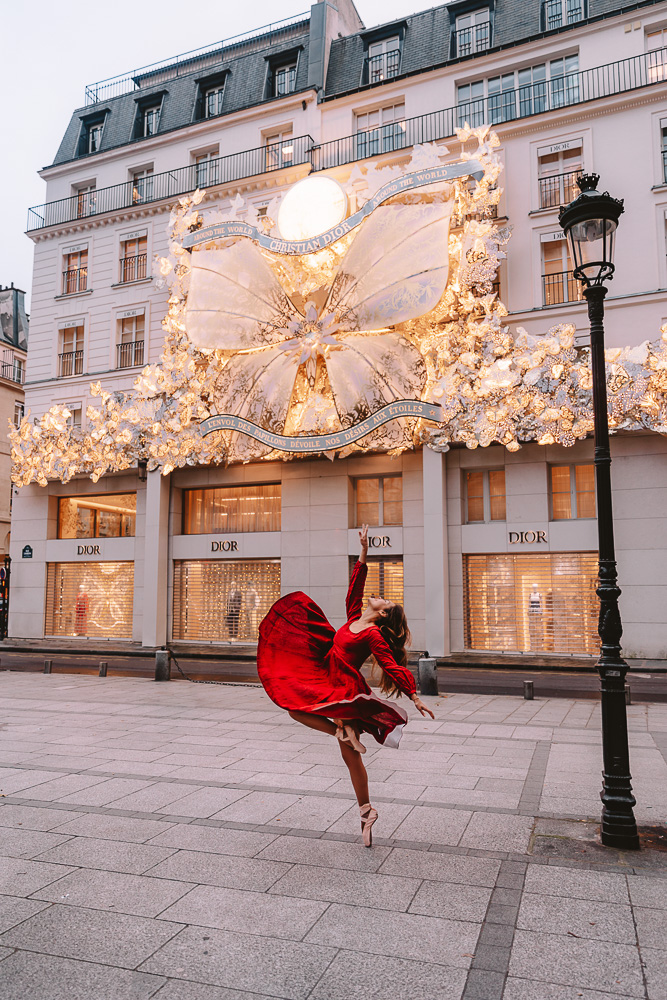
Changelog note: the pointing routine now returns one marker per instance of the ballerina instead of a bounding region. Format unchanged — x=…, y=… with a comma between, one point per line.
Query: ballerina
x=314, y=671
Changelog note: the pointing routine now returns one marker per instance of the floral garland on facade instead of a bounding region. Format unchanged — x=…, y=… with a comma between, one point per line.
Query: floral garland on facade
x=493, y=387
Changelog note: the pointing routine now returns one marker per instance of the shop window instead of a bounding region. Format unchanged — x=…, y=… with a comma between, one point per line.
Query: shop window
x=75, y=272
x=112, y=515
x=572, y=492
x=89, y=599
x=473, y=32
x=558, y=170
x=279, y=149
x=485, y=495
x=223, y=600
x=133, y=257
x=379, y=501
x=531, y=603
x=142, y=186
x=130, y=346
x=229, y=509
x=70, y=358
x=381, y=130
x=558, y=283
x=384, y=578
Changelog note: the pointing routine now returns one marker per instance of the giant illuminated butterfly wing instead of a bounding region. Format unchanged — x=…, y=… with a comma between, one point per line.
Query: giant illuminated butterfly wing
x=235, y=302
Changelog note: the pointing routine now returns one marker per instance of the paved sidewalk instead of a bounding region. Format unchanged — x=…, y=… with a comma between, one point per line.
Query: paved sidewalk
x=190, y=842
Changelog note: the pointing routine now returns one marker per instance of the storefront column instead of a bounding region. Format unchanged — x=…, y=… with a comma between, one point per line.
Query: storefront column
x=156, y=560
x=436, y=554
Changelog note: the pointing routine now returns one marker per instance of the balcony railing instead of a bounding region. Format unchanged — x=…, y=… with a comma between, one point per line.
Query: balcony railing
x=130, y=354
x=559, y=189
x=195, y=60
x=133, y=268
x=75, y=280
x=559, y=288
x=575, y=88
x=13, y=371
x=70, y=363
x=476, y=38
x=383, y=66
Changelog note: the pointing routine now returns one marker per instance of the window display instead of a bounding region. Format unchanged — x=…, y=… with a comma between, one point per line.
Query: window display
x=90, y=599
x=216, y=601
x=228, y=509
x=384, y=579
x=112, y=515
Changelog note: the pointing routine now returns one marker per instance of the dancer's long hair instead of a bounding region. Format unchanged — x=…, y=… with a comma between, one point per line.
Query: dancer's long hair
x=395, y=632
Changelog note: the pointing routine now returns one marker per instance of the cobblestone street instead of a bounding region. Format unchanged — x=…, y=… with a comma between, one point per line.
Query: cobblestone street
x=190, y=842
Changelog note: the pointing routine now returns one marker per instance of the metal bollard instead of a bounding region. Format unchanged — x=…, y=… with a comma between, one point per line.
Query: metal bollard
x=103, y=668
x=528, y=692
x=162, y=665
x=628, y=694
x=47, y=666
x=426, y=674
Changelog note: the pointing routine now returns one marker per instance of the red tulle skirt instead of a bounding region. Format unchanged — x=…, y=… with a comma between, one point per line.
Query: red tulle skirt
x=306, y=665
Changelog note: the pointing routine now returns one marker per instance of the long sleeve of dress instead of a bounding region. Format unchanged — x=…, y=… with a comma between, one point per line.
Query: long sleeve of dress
x=382, y=653
x=355, y=593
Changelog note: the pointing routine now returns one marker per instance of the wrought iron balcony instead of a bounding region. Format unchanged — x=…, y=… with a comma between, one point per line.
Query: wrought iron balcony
x=383, y=66
x=130, y=354
x=70, y=363
x=75, y=280
x=559, y=288
x=133, y=268
x=558, y=189
x=13, y=371
x=619, y=77
x=476, y=38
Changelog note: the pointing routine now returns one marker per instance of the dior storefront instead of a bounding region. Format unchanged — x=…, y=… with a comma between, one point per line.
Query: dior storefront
x=488, y=550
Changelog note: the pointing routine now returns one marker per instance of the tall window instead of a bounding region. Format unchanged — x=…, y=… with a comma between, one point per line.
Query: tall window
x=150, y=120
x=213, y=98
x=381, y=131
x=656, y=46
x=523, y=92
x=19, y=412
x=85, y=201
x=473, y=32
x=663, y=148
x=94, y=137
x=384, y=59
x=133, y=254
x=558, y=283
x=207, y=168
x=111, y=515
x=142, y=186
x=379, y=501
x=130, y=347
x=558, y=170
x=70, y=359
x=75, y=272
x=279, y=149
x=556, y=13
x=572, y=492
x=74, y=419
x=485, y=495
x=284, y=79
x=230, y=509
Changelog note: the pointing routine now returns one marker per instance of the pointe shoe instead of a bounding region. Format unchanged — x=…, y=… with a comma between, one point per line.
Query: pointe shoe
x=368, y=816
x=346, y=734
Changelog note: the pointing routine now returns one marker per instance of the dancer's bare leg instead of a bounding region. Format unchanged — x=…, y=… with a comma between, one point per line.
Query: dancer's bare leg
x=314, y=722
x=358, y=772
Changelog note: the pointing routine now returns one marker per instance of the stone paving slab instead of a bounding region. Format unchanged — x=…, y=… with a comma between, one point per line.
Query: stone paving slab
x=43, y=977
x=140, y=895
x=387, y=892
x=87, y=852
x=14, y=910
x=354, y=976
x=246, y=912
x=19, y=843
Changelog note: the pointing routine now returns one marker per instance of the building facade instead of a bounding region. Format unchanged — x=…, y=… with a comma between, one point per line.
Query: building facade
x=14, y=339
x=489, y=550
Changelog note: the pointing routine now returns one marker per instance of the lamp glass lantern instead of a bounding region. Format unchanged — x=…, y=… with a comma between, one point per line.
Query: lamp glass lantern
x=590, y=223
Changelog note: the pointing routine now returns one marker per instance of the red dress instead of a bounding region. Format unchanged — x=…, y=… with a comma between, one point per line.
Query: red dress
x=306, y=665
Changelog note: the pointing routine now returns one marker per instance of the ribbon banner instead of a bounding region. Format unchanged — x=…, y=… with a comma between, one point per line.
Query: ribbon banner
x=314, y=443
x=419, y=178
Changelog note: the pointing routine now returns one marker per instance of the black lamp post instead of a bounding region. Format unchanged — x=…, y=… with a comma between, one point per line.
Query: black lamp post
x=589, y=223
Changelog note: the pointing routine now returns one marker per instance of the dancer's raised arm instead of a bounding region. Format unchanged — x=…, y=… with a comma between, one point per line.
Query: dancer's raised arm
x=363, y=542
x=355, y=593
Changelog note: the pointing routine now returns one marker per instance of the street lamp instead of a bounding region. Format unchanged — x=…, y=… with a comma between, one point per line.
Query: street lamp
x=589, y=223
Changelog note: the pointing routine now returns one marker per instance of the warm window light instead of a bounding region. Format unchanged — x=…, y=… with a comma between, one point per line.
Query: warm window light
x=310, y=207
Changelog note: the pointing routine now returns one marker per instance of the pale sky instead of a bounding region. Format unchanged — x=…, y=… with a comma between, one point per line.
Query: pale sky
x=50, y=51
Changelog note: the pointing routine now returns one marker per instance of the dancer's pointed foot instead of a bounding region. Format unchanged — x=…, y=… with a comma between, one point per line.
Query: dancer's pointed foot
x=368, y=816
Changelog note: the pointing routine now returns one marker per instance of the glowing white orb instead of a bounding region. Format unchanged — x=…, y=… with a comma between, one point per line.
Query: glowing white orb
x=310, y=207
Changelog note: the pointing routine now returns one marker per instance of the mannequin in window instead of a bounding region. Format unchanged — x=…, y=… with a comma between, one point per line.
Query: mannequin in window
x=233, y=612
x=535, y=618
x=251, y=604
x=81, y=605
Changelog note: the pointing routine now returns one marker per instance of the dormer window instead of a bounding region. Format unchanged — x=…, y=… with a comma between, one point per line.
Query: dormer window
x=147, y=118
x=473, y=32
x=95, y=137
x=150, y=120
x=210, y=96
x=284, y=79
x=213, y=101
x=556, y=13
x=384, y=59
x=92, y=130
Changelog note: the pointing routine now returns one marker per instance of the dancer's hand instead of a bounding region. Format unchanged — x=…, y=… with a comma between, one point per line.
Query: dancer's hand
x=421, y=707
x=363, y=542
